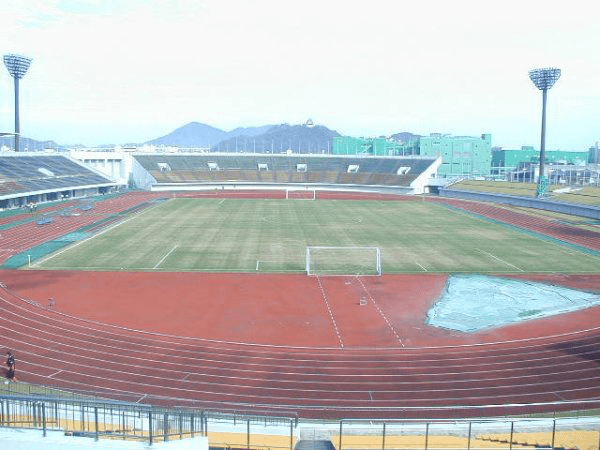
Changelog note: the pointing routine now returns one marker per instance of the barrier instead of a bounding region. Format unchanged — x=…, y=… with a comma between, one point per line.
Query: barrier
x=591, y=212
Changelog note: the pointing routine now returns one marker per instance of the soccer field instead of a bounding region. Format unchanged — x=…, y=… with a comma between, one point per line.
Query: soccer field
x=271, y=236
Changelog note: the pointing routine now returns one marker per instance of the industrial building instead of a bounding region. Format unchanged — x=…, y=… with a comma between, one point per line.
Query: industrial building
x=461, y=155
x=527, y=154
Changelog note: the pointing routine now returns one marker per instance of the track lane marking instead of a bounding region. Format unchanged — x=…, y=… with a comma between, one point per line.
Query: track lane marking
x=335, y=327
x=380, y=311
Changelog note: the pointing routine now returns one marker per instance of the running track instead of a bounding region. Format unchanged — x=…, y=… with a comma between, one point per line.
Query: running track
x=397, y=371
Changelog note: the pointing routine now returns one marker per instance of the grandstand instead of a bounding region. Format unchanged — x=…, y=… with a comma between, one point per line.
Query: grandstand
x=31, y=178
x=192, y=171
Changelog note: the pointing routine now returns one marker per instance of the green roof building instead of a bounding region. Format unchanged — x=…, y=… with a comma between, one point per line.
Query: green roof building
x=515, y=158
x=346, y=145
x=460, y=155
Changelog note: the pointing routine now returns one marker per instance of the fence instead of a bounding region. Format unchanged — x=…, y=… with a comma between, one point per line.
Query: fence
x=132, y=421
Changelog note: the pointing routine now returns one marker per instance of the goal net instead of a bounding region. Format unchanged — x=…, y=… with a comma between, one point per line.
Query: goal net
x=343, y=261
x=300, y=194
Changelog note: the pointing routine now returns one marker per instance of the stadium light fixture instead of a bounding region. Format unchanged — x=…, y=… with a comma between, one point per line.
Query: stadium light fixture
x=17, y=66
x=543, y=79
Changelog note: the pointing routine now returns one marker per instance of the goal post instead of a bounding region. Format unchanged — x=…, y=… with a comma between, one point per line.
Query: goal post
x=300, y=194
x=343, y=261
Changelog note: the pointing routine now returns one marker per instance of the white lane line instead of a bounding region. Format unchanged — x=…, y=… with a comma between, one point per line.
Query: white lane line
x=164, y=257
x=337, y=331
x=380, y=312
x=501, y=260
x=54, y=374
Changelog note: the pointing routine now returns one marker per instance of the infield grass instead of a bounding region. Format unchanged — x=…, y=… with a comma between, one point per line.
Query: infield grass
x=241, y=235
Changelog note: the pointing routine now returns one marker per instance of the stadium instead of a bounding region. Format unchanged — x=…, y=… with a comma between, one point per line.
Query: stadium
x=260, y=292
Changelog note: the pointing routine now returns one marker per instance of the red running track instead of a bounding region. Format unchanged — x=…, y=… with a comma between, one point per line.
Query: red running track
x=548, y=226
x=306, y=348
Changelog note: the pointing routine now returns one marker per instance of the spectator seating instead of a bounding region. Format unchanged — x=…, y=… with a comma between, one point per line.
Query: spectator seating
x=25, y=175
x=268, y=168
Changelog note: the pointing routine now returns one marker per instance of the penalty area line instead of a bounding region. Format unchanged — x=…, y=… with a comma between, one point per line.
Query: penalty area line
x=499, y=259
x=424, y=269
x=164, y=257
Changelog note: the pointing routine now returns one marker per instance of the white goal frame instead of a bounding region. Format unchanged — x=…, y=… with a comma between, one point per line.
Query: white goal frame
x=310, y=271
x=308, y=191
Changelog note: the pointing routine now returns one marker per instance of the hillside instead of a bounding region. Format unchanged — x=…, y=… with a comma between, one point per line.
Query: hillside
x=280, y=138
x=27, y=144
x=199, y=135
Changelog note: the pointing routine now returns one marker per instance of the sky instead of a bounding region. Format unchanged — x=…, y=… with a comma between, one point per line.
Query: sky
x=122, y=71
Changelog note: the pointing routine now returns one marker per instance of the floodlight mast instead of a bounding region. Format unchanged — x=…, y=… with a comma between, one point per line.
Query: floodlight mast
x=543, y=79
x=17, y=66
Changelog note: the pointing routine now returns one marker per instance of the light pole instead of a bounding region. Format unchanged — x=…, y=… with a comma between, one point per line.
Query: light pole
x=543, y=79
x=17, y=66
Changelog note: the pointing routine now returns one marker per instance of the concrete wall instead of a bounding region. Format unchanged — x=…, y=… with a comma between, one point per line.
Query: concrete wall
x=168, y=187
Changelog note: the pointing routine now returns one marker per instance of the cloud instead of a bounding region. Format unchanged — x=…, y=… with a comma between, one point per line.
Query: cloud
x=107, y=70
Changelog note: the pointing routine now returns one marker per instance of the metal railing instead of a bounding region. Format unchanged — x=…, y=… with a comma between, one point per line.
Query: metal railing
x=137, y=422
x=131, y=421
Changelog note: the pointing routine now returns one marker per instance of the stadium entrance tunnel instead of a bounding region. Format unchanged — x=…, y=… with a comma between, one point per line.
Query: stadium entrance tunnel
x=314, y=444
x=472, y=303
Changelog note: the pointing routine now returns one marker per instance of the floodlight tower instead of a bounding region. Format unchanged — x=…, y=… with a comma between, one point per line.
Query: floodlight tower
x=17, y=66
x=543, y=79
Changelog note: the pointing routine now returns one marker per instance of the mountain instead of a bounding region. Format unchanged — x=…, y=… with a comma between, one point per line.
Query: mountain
x=193, y=134
x=249, y=131
x=198, y=135
x=404, y=136
x=29, y=145
x=280, y=139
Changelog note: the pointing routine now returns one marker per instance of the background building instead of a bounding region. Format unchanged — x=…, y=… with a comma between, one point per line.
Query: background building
x=527, y=154
x=461, y=155
x=380, y=146
x=594, y=155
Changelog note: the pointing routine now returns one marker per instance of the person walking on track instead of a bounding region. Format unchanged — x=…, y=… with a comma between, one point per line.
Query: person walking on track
x=10, y=363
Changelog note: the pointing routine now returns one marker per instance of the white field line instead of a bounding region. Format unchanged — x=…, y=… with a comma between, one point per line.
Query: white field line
x=424, y=269
x=90, y=238
x=380, y=311
x=501, y=260
x=257, y=263
x=335, y=327
x=164, y=257
x=221, y=201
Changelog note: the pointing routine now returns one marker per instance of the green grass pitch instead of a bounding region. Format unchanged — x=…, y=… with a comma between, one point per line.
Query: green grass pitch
x=271, y=236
